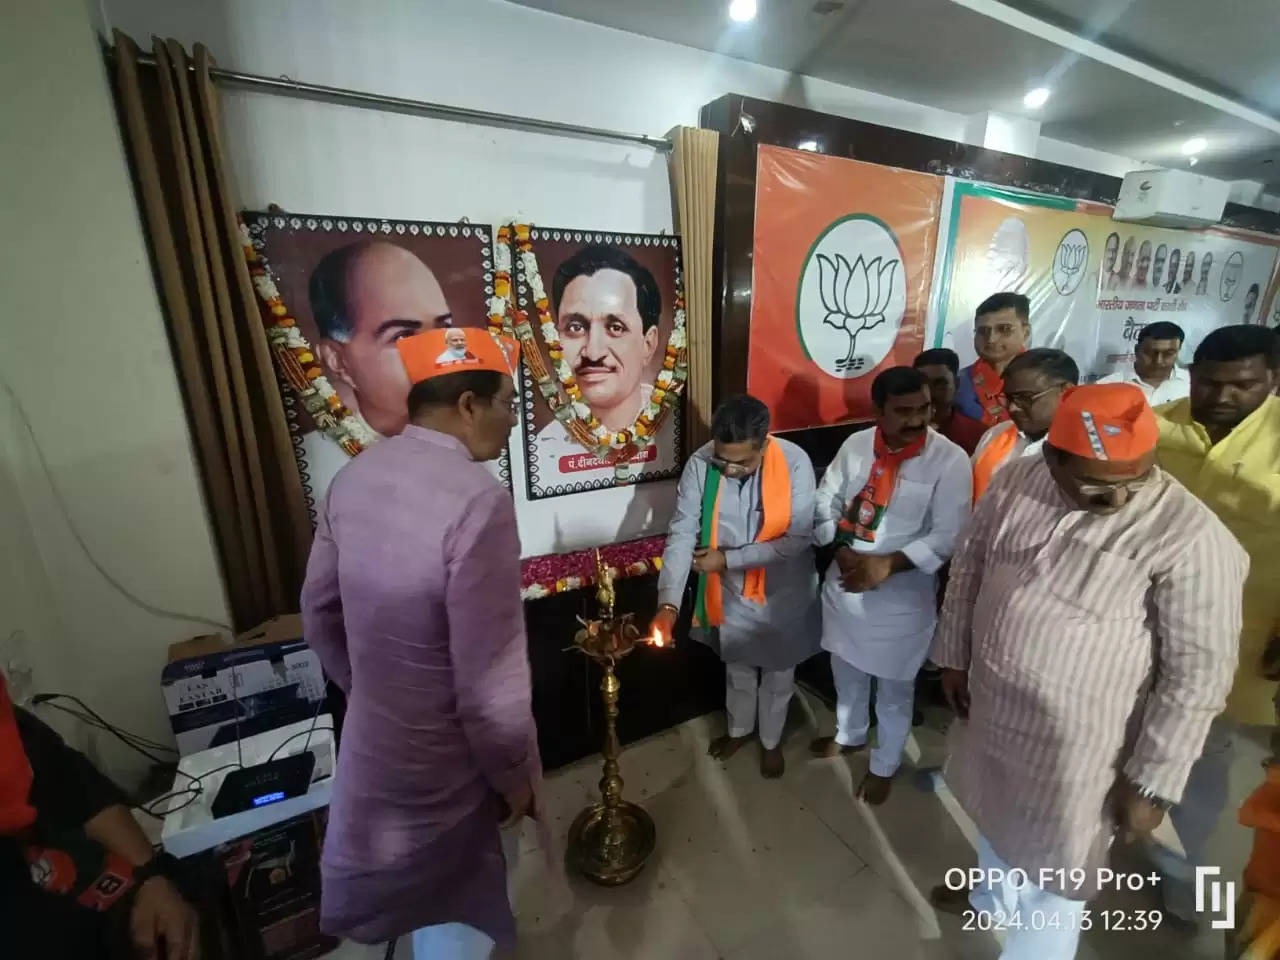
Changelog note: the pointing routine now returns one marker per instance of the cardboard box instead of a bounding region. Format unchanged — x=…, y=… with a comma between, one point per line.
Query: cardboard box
x=216, y=691
x=273, y=890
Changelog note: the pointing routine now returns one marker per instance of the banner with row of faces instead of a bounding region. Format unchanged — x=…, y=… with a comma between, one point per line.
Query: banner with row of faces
x=858, y=267
x=357, y=286
x=1093, y=282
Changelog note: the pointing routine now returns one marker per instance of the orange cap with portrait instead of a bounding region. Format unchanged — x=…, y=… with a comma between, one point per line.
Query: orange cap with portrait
x=434, y=353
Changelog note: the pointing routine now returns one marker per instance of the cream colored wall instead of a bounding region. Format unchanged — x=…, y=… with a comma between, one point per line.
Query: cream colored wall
x=83, y=348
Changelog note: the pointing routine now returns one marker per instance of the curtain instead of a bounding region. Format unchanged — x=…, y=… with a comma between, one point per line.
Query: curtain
x=170, y=116
x=693, y=187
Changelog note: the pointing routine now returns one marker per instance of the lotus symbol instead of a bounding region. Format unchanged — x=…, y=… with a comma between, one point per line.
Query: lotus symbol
x=855, y=297
x=1069, y=262
x=1071, y=257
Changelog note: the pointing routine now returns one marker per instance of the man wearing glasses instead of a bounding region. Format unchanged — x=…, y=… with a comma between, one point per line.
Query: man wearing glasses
x=1034, y=383
x=743, y=523
x=1087, y=639
x=1001, y=331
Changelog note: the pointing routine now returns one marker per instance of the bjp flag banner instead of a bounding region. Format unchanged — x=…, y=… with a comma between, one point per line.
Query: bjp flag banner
x=1093, y=282
x=842, y=260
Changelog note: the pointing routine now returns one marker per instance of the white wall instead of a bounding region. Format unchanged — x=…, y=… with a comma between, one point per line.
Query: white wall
x=85, y=352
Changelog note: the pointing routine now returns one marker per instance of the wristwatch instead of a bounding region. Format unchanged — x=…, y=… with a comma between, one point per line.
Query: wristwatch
x=161, y=865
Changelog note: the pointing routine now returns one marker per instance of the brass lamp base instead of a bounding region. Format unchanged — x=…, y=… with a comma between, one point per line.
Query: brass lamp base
x=611, y=854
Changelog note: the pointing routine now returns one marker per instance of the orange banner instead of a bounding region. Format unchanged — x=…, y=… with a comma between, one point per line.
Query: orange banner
x=842, y=262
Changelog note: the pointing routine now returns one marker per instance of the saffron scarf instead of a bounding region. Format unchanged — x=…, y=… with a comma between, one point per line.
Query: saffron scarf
x=1258, y=936
x=995, y=453
x=775, y=496
x=989, y=387
x=867, y=509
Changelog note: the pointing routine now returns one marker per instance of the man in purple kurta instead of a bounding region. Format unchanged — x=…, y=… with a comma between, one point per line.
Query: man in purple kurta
x=412, y=602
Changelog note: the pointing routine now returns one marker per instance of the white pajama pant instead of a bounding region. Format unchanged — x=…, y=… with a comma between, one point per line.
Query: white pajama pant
x=766, y=696
x=894, y=701
x=1048, y=925
x=451, y=941
x=461, y=941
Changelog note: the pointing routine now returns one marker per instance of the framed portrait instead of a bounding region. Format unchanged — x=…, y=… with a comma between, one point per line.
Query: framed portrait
x=355, y=286
x=612, y=297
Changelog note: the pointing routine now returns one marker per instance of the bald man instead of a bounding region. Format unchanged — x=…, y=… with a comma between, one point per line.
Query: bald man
x=365, y=297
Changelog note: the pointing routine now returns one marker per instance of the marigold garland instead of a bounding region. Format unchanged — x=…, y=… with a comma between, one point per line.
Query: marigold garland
x=560, y=573
x=560, y=390
x=297, y=362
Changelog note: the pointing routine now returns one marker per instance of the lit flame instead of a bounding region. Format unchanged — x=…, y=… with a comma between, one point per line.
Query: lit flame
x=656, y=638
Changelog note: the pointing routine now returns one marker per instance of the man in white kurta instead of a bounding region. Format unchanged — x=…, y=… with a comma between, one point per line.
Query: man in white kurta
x=879, y=601
x=1087, y=639
x=761, y=638
x=1155, y=369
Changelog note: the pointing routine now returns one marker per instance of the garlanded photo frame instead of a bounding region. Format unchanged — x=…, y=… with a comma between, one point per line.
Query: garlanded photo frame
x=336, y=293
x=604, y=312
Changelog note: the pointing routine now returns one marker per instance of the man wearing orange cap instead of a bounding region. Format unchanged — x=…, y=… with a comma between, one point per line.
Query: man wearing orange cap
x=1087, y=640
x=1223, y=444
x=412, y=601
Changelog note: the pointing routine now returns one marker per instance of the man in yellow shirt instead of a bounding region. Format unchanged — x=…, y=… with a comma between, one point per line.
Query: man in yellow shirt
x=1223, y=444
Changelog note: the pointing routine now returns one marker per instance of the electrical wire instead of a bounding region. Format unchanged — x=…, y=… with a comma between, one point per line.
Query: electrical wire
x=311, y=729
x=193, y=793
x=300, y=733
x=90, y=716
x=95, y=720
x=109, y=727
x=75, y=533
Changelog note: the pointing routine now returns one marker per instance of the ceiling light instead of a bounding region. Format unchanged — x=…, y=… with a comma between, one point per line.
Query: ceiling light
x=1035, y=99
x=1192, y=161
x=1194, y=145
x=743, y=11
x=807, y=145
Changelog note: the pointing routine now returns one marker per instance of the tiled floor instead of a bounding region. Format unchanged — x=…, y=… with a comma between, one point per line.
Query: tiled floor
x=751, y=869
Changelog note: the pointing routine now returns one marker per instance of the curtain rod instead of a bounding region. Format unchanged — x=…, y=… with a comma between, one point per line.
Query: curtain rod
x=377, y=101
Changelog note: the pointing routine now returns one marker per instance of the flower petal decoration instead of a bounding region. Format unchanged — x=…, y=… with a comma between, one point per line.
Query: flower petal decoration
x=828, y=272
x=862, y=292
x=885, y=287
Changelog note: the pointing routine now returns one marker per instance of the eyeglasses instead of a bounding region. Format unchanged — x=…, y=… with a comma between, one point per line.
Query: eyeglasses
x=731, y=469
x=1025, y=400
x=1132, y=487
x=999, y=329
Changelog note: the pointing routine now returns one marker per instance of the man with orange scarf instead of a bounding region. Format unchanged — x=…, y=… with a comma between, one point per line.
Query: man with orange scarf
x=1033, y=385
x=1001, y=331
x=743, y=522
x=893, y=501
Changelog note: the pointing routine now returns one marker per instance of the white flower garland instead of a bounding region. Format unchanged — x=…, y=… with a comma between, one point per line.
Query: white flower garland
x=573, y=411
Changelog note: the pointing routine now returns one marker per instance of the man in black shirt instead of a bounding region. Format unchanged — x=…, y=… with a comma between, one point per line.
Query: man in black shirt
x=78, y=877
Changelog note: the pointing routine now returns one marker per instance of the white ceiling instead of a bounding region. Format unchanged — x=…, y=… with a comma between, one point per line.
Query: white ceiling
x=944, y=54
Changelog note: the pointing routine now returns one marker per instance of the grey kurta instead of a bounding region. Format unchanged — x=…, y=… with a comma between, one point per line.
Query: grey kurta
x=786, y=628
x=1096, y=646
